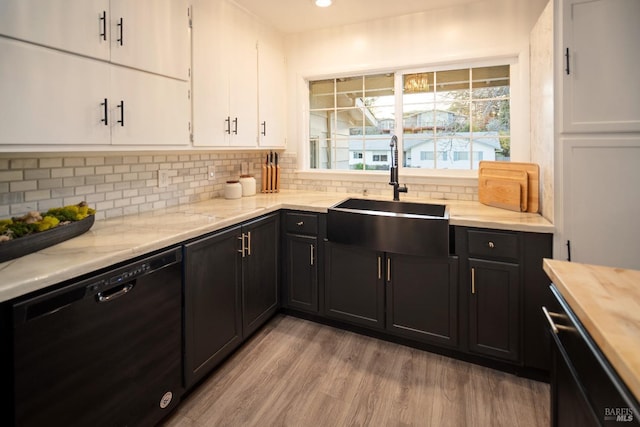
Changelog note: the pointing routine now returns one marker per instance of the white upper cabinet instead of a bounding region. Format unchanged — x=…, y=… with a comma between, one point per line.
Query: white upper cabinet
x=47, y=98
x=79, y=26
x=600, y=85
x=232, y=70
x=271, y=89
x=147, y=109
x=59, y=100
x=225, y=111
x=150, y=35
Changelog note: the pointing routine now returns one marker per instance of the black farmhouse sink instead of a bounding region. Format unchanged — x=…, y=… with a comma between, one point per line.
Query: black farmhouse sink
x=391, y=226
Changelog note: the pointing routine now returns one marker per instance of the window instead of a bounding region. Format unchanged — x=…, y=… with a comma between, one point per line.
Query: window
x=463, y=115
x=451, y=119
x=352, y=115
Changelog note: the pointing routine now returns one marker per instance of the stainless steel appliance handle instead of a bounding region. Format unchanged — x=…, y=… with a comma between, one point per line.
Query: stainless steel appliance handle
x=106, y=296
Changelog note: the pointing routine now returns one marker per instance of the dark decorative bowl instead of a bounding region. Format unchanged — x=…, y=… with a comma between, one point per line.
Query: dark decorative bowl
x=34, y=242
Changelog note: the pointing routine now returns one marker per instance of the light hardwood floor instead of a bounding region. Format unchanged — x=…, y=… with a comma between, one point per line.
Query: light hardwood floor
x=298, y=373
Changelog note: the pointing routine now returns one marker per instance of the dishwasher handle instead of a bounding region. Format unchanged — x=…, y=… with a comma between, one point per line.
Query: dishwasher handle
x=114, y=293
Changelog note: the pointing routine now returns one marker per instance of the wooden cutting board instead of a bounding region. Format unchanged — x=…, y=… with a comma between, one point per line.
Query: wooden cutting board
x=504, y=192
x=511, y=170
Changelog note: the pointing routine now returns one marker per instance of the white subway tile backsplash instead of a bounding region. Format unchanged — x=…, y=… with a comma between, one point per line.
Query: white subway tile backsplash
x=127, y=183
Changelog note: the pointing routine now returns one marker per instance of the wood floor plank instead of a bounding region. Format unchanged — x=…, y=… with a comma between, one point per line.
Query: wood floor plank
x=295, y=372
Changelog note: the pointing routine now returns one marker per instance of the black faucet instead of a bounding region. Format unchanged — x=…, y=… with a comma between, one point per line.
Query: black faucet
x=394, y=170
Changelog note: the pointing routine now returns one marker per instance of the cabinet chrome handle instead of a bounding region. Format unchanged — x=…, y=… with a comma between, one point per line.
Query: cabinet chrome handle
x=227, y=121
x=235, y=126
x=103, y=24
x=379, y=268
x=388, y=269
x=105, y=104
x=264, y=128
x=121, y=29
x=249, y=243
x=242, y=247
x=491, y=244
x=473, y=280
x=300, y=224
x=312, y=255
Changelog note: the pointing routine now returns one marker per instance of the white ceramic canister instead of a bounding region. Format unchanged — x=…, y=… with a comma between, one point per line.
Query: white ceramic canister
x=232, y=190
x=248, y=185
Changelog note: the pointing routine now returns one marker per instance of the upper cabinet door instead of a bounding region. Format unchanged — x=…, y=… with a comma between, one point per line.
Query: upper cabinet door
x=225, y=81
x=271, y=89
x=79, y=26
x=147, y=109
x=242, y=67
x=601, y=88
x=47, y=98
x=151, y=35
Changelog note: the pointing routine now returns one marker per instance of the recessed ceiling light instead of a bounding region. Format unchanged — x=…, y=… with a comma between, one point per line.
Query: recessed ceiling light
x=323, y=3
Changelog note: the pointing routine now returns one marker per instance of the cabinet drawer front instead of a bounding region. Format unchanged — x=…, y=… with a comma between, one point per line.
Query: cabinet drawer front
x=493, y=244
x=301, y=223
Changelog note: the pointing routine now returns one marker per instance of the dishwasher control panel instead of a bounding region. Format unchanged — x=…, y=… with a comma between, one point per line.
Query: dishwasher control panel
x=126, y=275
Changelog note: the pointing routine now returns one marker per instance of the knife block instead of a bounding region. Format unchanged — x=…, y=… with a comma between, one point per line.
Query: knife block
x=270, y=178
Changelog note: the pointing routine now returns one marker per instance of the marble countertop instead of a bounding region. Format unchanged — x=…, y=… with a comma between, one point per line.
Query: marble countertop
x=607, y=302
x=115, y=240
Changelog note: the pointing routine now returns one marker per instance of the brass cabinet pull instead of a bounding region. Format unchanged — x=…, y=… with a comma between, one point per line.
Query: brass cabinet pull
x=379, y=268
x=473, y=280
x=312, y=254
x=241, y=250
x=552, y=324
x=492, y=245
x=249, y=243
x=388, y=269
x=555, y=328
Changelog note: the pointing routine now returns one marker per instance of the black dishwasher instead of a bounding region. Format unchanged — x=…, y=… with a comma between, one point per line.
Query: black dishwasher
x=106, y=350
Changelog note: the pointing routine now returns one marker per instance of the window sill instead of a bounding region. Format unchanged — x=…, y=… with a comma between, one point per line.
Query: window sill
x=409, y=176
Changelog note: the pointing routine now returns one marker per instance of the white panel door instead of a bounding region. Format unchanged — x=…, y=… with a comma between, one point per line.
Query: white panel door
x=151, y=35
x=210, y=75
x=242, y=63
x=271, y=92
x=601, y=88
x=602, y=201
x=225, y=80
x=51, y=97
x=156, y=109
x=79, y=26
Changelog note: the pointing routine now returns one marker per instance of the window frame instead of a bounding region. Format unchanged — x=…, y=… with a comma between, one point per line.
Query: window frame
x=519, y=126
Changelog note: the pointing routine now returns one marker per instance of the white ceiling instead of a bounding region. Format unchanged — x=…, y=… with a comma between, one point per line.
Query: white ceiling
x=293, y=16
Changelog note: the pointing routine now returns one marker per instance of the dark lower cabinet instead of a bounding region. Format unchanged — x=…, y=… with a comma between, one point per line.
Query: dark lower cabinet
x=422, y=298
x=354, y=285
x=502, y=287
x=212, y=315
x=301, y=264
x=494, y=309
x=301, y=261
x=409, y=296
x=230, y=288
x=260, y=278
x=585, y=388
